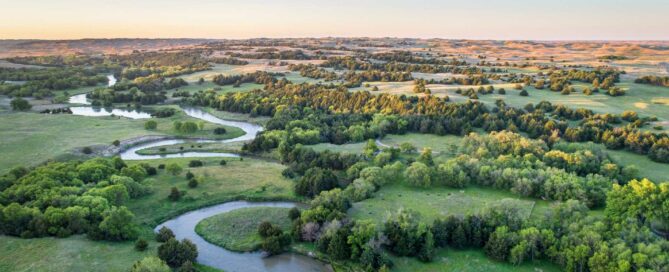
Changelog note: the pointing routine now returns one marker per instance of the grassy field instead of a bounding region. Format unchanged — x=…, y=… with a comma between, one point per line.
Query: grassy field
x=238, y=230
x=250, y=179
x=443, y=147
x=352, y=148
x=644, y=99
x=432, y=203
x=31, y=138
x=194, y=87
x=75, y=253
x=466, y=261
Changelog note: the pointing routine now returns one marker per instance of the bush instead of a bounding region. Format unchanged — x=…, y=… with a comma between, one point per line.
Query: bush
x=524, y=93
x=161, y=166
x=189, y=175
x=195, y=163
x=87, y=150
x=141, y=244
x=192, y=183
x=164, y=234
x=176, y=253
x=20, y=104
x=116, y=143
x=294, y=213
x=150, y=125
x=175, y=194
x=173, y=169
x=501, y=91
x=219, y=131
x=163, y=113
x=223, y=162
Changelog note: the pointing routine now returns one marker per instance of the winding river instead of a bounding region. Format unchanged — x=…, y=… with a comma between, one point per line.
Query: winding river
x=183, y=226
x=212, y=255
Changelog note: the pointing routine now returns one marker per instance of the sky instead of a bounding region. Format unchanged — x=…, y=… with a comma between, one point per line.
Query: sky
x=463, y=19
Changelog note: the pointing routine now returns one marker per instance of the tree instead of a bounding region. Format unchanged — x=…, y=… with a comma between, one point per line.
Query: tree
x=173, y=169
x=141, y=244
x=418, y=174
x=20, y=104
x=175, y=194
x=294, y=213
x=426, y=156
x=150, y=264
x=164, y=234
x=407, y=148
x=151, y=125
x=118, y=224
x=192, y=183
x=524, y=93
x=176, y=253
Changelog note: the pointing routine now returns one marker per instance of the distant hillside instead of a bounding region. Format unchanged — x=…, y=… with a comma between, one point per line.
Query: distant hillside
x=11, y=48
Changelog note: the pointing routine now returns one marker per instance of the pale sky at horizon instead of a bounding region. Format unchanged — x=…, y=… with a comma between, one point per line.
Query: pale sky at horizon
x=472, y=19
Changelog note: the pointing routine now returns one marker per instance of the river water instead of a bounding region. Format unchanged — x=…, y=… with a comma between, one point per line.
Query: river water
x=183, y=226
x=212, y=255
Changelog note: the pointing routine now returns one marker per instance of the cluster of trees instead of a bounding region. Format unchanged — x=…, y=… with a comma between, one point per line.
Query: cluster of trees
x=41, y=83
x=108, y=96
x=566, y=235
x=187, y=126
x=281, y=55
x=229, y=61
x=65, y=198
x=427, y=114
x=313, y=71
x=653, y=80
x=259, y=77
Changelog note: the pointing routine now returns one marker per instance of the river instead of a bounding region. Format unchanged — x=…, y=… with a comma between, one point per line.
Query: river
x=183, y=226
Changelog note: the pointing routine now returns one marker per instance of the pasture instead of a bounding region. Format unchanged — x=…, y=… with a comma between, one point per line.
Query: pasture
x=238, y=230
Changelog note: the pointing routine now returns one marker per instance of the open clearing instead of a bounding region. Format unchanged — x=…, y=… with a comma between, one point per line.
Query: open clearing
x=248, y=179
x=432, y=203
x=238, y=230
x=52, y=136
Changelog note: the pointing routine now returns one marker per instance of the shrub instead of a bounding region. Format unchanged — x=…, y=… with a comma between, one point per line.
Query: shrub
x=294, y=213
x=141, y=244
x=161, y=166
x=150, y=125
x=195, y=163
x=175, y=194
x=176, y=253
x=20, y=104
x=219, y=131
x=174, y=169
x=164, y=234
x=501, y=91
x=192, y=183
x=163, y=113
x=524, y=93
x=116, y=143
x=189, y=175
x=87, y=150
x=223, y=162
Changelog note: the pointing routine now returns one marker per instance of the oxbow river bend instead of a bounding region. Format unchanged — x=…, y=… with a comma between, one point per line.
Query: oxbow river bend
x=212, y=255
x=183, y=226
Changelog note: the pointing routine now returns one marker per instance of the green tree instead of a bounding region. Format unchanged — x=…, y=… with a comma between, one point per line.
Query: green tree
x=20, y=104
x=418, y=174
x=151, y=125
x=173, y=169
x=118, y=224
